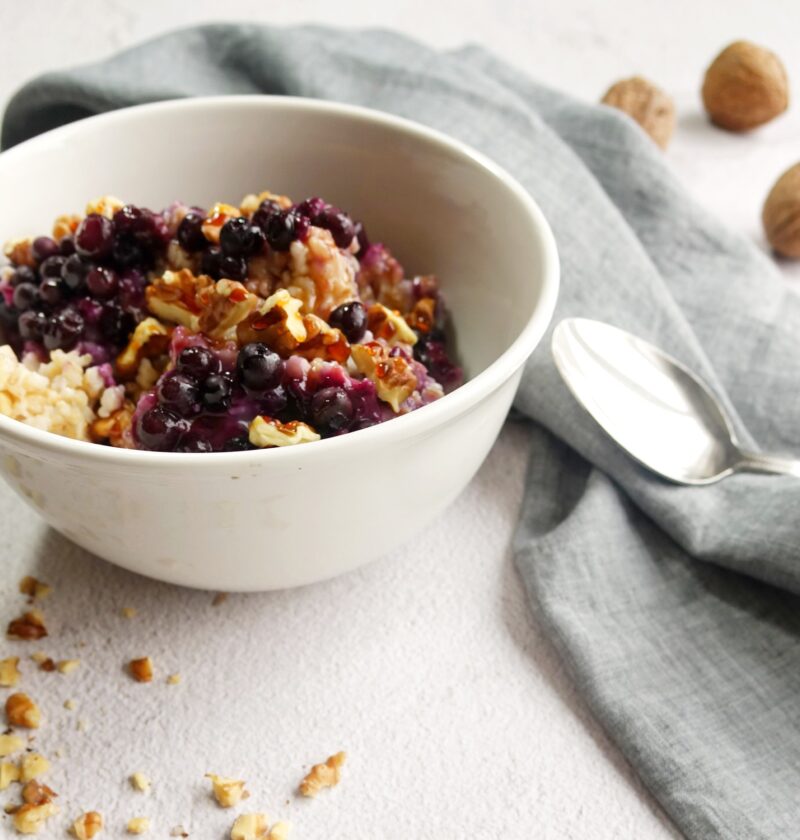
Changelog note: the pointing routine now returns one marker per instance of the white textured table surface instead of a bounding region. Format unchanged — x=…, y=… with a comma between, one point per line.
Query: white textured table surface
x=427, y=666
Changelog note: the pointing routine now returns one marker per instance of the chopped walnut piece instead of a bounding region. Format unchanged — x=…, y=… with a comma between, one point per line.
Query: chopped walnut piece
x=29, y=819
x=39, y=657
x=277, y=322
x=216, y=218
x=65, y=225
x=267, y=432
x=219, y=598
x=32, y=766
x=87, y=825
x=22, y=711
x=105, y=205
x=35, y=793
x=389, y=325
x=178, y=831
x=114, y=428
x=227, y=792
x=138, y=825
x=323, y=341
x=69, y=705
x=174, y=297
x=149, y=339
x=9, y=744
x=279, y=831
x=67, y=666
x=173, y=679
x=423, y=316
x=394, y=378
x=141, y=669
x=34, y=588
x=47, y=664
x=140, y=782
x=20, y=252
x=250, y=827
x=323, y=775
x=223, y=307
x=28, y=626
x=128, y=612
x=9, y=772
x=9, y=672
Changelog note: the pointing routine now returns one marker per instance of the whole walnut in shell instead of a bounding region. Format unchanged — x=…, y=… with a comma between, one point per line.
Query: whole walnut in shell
x=745, y=86
x=647, y=104
x=781, y=214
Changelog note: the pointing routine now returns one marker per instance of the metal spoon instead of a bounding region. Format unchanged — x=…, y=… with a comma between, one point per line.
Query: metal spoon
x=653, y=406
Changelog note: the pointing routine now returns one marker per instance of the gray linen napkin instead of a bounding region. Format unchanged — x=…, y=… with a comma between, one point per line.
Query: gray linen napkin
x=649, y=590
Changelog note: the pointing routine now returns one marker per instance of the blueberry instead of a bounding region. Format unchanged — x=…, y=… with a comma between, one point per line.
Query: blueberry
x=91, y=310
x=258, y=367
x=363, y=240
x=135, y=220
x=115, y=323
x=74, y=272
x=234, y=268
x=210, y=263
x=266, y=210
x=23, y=274
x=198, y=362
x=217, y=393
x=25, y=295
x=338, y=223
x=273, y=402
x=31, y=325
x=351, y=319
x=95, y=236
x=180, y=392
x=190, y=233
x=237, y=444
x=239, y=237
x=431, y=352
x=52, y=290
x=196, y=444
x=282, y=228
x=160, y=428
x=52, y=266
x=331, y=409
x=63, y=330
x=67, y=246
x=311, y=207
x=129, y=251
x=102, y=282
x=44, y=247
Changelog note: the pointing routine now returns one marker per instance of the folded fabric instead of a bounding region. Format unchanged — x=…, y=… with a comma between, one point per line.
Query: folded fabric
x=673, y=606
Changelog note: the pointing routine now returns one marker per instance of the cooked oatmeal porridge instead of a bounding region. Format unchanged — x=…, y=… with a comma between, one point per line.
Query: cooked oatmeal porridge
x=222, y=329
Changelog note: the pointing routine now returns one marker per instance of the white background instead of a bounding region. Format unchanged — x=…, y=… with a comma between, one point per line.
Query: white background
x=427, y=667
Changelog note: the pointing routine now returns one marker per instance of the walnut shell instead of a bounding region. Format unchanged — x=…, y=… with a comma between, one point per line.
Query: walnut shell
x=745, y=86
x=647, y=104
x=781, y=214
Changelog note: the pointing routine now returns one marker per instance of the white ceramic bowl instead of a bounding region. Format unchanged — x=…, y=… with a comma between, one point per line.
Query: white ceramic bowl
x=285, y=517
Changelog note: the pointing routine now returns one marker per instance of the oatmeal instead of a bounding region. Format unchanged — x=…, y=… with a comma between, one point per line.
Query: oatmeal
x=203, y=330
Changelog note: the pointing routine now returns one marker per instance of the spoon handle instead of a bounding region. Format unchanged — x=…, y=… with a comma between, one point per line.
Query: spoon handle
x=761, y=463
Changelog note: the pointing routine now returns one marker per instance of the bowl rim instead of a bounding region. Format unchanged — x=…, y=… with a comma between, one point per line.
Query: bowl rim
x=429, y=416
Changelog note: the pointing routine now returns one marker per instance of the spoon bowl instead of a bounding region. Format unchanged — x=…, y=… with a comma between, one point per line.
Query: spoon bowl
x=653, y=406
